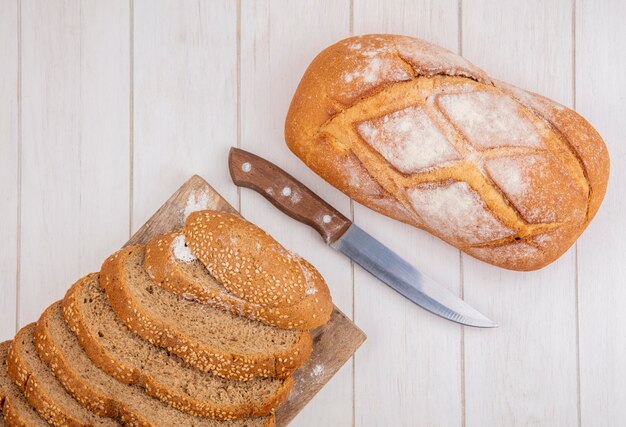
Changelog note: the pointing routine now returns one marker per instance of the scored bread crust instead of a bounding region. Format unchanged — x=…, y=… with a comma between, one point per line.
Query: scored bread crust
x=128, y=374
x=309, y=312
x=35, y=391
x=278, y=364
x=105, y=405
x=360, y=98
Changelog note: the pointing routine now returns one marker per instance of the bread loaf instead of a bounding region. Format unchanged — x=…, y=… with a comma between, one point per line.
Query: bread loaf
x=419, y=134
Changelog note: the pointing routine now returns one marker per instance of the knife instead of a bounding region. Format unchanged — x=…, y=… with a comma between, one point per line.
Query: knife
x=296, y=200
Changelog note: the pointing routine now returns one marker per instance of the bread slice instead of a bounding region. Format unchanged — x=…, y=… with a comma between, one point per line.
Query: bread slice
x=207, y=338
x=253, y=266
x=14, y=407
x=171, y=263
x=43, y=391
x=132, y=360
x=103, y=394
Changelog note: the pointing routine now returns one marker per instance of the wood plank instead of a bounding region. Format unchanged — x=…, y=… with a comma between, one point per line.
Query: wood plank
x=105, y=157
x=600, y=97
x=270, y=71
x=8, y=164
x=523, y=373
x=74, y=143
x=333, y=344
x=184, y=97
x=409, y=371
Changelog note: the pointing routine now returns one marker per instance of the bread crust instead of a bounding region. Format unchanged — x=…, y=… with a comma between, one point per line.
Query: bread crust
x=339, y=93
x=81, y=391
x=196, y=353
x=312, y=310
x=27, y=380
x=10, y=414
x=129, y=375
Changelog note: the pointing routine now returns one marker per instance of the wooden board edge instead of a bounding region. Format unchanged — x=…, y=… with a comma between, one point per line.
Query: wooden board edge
x=316, y=373
x=161, y=221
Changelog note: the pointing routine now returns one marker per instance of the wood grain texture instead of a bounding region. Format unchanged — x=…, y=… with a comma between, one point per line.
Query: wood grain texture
x=278, y=41
x=420, y=384
x=524, y=373
x=74, y=143
x=333, y=344
x=50, y=153
x=601, y=98
x=104, y=144
x=8, y=165
x=184, y=97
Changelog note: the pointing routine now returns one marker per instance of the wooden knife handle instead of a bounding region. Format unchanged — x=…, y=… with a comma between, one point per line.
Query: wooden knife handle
x=286, y=193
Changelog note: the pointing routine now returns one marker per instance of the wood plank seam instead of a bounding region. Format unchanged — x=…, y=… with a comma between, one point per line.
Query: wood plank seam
x=461, y=254
x=352, y=266
x=131, y=111
x=576, y=258
x=18, y=272
x=238, y=29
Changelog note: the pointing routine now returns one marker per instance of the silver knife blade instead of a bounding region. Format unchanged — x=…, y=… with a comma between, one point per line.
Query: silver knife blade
x=390, y=268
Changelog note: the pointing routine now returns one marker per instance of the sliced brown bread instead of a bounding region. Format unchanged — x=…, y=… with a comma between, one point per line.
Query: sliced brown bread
x=133, y=360
x=43, y=391
x=15, y=409
x=103, y=394
x=207, y=338
x=173, y=265
x=253, y=266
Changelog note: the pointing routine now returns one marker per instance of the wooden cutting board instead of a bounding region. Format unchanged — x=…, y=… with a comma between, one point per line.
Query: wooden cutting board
x=333, y=344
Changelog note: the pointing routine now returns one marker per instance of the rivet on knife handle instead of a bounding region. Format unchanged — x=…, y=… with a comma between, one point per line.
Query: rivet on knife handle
x=286, y=193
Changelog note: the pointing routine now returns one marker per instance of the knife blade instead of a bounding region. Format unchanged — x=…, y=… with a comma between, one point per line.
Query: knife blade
x=299, y=202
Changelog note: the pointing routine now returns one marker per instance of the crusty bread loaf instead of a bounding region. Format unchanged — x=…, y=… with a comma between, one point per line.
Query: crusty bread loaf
x=42, y=389
x=207, y=338
x=101, y=393
x=419, y=134
x=173, y=265
x=14, y=408
x=132, y=360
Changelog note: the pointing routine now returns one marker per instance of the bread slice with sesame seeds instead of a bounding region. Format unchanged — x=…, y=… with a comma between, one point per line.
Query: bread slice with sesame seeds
x=207, y=338
x=249, y=264
x=104, y=395
x=133, y=360
x=171, y=263
x=14, y=408
x=42, y=389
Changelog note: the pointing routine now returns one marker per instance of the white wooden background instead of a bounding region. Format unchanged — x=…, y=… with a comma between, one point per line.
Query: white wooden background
x=106, y=107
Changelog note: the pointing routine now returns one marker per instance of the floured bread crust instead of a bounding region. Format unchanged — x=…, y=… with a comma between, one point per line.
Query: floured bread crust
x=419, y=134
